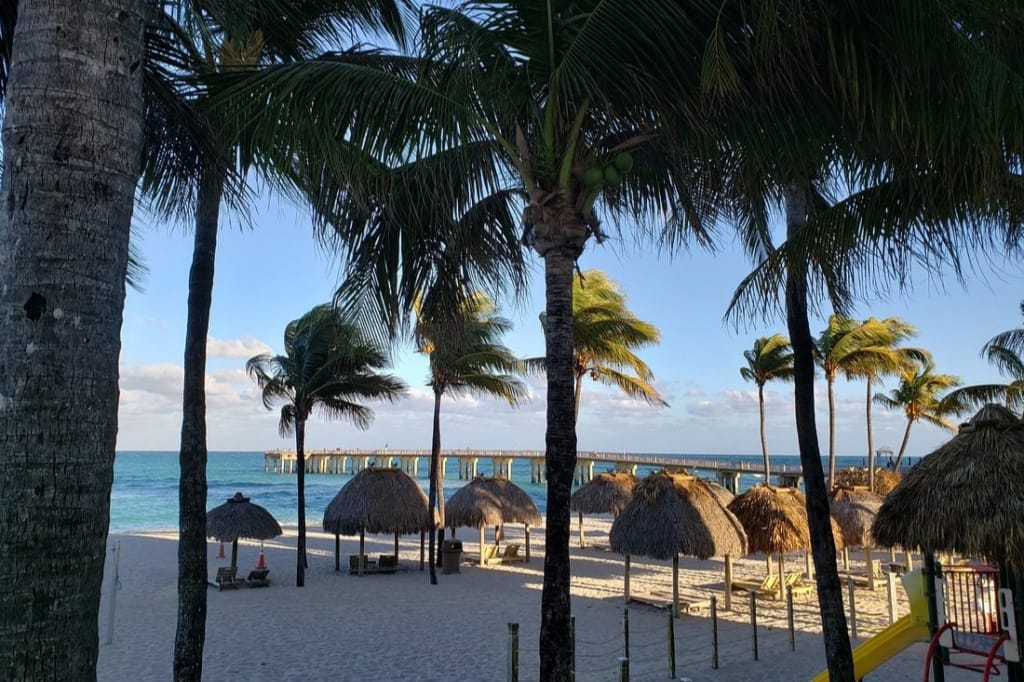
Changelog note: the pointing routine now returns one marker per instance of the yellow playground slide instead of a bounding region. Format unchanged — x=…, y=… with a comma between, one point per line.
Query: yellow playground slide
x=908, y=630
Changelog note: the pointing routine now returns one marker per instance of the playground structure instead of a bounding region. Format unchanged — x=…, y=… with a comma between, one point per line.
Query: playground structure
x=975, y=626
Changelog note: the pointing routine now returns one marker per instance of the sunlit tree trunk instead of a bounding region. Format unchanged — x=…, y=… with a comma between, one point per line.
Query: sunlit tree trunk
x=838, y=653
x=764, y=438
x=871, y=439
x=192, y=570
x=903, y=444
x=71, y=142
x=831, y=432
x=556, y=608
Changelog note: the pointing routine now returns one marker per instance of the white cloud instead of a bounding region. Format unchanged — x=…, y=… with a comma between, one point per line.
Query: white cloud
x=245, y=347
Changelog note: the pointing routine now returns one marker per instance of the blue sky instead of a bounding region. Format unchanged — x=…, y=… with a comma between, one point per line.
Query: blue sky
x=271, y=272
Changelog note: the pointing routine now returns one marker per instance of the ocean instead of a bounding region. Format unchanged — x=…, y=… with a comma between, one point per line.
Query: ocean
x=145, y=492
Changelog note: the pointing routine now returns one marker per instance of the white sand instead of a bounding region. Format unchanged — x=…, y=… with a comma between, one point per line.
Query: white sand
x=399, y=627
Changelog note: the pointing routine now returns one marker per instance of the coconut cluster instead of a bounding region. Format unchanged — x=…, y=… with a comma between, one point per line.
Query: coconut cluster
x=610, y=174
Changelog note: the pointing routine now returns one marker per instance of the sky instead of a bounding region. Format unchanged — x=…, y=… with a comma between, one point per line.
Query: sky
x=271, y=271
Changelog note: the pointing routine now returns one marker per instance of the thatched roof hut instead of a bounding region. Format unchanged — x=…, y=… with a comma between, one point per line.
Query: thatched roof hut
x=854, y=510
x=965, y=497
x=377, y=501
x=885, y=479
x=721, y=493
x=776, y=520
x=673, y=514
x=239, y=518
x=491, y=501
x=606, y=493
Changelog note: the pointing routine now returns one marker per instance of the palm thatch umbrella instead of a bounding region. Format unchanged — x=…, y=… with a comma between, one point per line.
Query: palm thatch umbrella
x=721, y=493
x=776, y=522
x=854, y=509
x=606, y=493
x=240, y=518
x=673, y=514
x=965, y=497
x=491, y=501
x=377, y=501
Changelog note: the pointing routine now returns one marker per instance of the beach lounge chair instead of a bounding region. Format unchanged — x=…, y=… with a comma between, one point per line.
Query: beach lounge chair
x=225, y=578
x=769, y=587
x=258, y=577
x=369, y=566
x=795, y=582
x=511, y=555
x=490, y=555
x=388, y=563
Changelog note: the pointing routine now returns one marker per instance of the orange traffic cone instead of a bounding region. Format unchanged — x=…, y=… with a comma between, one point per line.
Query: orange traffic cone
x=260, y=561
x=220, y=551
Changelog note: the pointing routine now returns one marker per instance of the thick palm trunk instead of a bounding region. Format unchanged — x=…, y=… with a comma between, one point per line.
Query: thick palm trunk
x=433, y=486
x=577, y=394
x=831, y=432
x=871, y=440
x=764, y=439
x=903, y=445
x=300, y=474
x=560, y=438
x=838, y=654
x=191, y=632
x=71, y=140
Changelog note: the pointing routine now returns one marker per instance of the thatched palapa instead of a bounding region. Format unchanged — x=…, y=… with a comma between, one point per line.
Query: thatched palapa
x=377, y=501
x=239, y=518
x=606, y=493
x=673, y=514
x=965, y=497
x=854, y=509
x=491, y=501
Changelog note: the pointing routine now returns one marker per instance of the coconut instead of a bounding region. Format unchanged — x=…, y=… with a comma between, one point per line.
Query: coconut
x=612, y=176
x=593, y=177
x=623, y=162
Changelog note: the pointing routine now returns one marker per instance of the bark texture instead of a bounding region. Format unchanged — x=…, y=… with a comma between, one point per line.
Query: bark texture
x=300, y=477
x=556, y=610
x=190, y=636
x=433, y=488
x=72, y=139
x=838, y=653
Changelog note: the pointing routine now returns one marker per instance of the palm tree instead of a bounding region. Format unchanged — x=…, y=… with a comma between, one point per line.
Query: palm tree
x=562, y=96
x=890, y=359
x=604, y=334
x=466, y=358
x=327, y=367
x=864, y=349
x=71, y=143
x=771, y=358
x=1003, y=351
x=193, y=165
x=918, y=395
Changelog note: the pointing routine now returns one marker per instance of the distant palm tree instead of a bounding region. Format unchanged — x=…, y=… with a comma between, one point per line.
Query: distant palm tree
x=466, y=357
x=771, y=358
x=852, y=347
x=1003, y=351
x=327, y=366
x=918, y=395
x=889, y=359
x=604, y=333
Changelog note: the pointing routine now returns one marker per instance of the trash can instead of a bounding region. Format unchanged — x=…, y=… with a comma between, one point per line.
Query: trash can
x=451, y=556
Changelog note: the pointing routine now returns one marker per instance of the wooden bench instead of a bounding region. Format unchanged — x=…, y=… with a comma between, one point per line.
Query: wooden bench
x=225, y=578
x=388, y=563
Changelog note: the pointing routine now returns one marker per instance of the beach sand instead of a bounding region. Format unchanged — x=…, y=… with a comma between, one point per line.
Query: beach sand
x=399, y=627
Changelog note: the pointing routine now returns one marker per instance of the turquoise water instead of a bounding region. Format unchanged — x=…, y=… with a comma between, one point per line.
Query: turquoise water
x=145, y=493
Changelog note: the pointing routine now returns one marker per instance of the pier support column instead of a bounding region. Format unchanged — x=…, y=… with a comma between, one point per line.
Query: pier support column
x=790, y=480
x=730, y=480
x=410, y=464
x=360, y=462
x=623, y=468
x=501, y=466
x=584, y=471
x=537, y=471
x=468, y=467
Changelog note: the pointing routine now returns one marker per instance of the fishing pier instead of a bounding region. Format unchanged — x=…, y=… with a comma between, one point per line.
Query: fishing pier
x=725, y=470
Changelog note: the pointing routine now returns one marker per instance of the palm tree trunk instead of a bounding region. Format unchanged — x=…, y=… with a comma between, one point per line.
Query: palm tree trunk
x=838, y=653
x=831, y=432
x=764, y=439
x=576, y=397
x=190, y=635
x=903, y=445
x=300, y=477
x=71, y=143
x=560, y=438
x=432, y=487
x=871, y=441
